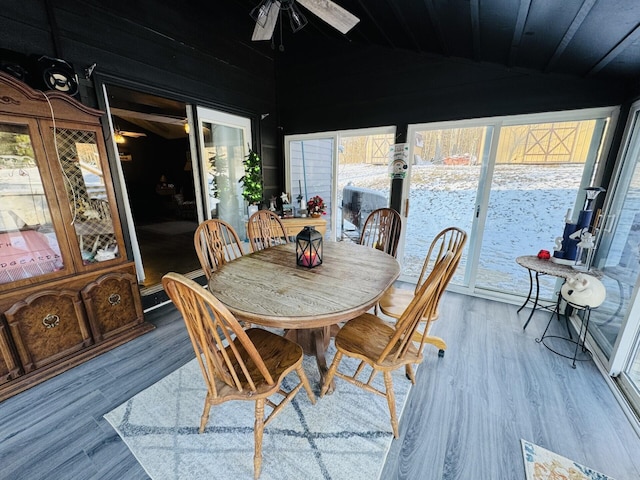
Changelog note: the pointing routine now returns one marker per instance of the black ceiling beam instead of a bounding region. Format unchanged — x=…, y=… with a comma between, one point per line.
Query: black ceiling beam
x=518, y=31
x=433, y=16
x=582, y=14
x=376, y=24
x=394, y=6
x=615, y=51
x=475, y=28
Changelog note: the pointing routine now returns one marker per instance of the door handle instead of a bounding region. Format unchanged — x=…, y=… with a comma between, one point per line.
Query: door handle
x=609, y=222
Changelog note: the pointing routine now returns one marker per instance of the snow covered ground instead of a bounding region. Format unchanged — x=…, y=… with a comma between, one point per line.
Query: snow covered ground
x=526, y=213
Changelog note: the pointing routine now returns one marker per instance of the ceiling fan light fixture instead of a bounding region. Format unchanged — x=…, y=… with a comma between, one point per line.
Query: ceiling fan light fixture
x=261, y=12
x=119, y=138
x=296, y=18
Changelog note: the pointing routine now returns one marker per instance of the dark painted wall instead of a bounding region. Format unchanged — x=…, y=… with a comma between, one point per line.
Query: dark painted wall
x=184, y=50
x=356, y=87
x=346, y=87
x=195, y=52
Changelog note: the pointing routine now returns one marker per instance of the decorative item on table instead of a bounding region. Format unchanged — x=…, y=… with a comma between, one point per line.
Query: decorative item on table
x=272, y=203
x=309, y=247
x=583, y=290
x=283, y=208
x=566, y=248
x=302, y=204
x=316, y=206
x=544, y=255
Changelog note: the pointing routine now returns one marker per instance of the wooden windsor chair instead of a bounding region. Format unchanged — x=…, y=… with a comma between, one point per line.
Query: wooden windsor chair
x=216, y=243
x=236, y=364
x=381, y=230
x=265, y=230
x=384, y=347
x=395, y=300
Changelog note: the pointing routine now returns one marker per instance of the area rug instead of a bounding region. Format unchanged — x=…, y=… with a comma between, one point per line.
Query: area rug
x=541, y=464
x=345, y=435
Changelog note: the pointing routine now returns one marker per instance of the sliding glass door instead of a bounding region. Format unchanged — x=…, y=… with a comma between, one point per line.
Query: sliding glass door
x=348, y=169
x=615, y=325
x=540, y=173
x=509, y=182
x=224, y=144
x=448, y=168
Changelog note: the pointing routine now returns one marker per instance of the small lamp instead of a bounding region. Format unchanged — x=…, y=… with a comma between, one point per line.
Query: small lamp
x=309, y=248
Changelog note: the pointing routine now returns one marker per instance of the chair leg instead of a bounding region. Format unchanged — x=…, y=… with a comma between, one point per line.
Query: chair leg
x=391, y=400
x=205, y=416
x=439, y=343
x=257, y=434
x=331, y=373
x=306, y=384
x=409, y=373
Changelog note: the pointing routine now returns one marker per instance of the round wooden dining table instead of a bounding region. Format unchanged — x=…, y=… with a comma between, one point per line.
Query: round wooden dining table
x=267, y=288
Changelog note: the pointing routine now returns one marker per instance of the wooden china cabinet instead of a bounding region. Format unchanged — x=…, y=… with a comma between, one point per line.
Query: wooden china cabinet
x=67, y=290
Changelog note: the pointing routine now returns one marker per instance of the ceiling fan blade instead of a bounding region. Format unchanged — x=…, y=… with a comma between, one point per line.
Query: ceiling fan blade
x=333, y=14
x=266, y=32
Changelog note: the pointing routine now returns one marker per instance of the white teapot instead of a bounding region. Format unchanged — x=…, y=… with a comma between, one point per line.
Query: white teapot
x=583, y=290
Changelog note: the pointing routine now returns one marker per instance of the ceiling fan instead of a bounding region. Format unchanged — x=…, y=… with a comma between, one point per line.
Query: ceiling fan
x=267, y=12
x=119, y=135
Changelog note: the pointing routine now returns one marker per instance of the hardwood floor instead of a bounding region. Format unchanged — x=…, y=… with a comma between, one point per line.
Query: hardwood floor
x=464, y=419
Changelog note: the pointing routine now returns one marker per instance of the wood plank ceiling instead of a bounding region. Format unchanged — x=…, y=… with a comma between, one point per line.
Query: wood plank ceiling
x=584, y=38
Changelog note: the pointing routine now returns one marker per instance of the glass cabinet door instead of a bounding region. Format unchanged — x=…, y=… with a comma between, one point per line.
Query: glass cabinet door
x=86, y=189
x=29, y=245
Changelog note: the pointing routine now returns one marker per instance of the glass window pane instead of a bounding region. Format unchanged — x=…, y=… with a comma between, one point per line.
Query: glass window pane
x=87, y=194
x=28, y=243
x=537, y=178
x=363, y=179
x=445, y=176
x=224, y=151
x=618, y=256
x=311, y=173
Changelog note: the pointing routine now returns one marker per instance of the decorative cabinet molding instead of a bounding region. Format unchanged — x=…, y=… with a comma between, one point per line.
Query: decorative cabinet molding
x=9, y=368
x=48, y=326
x=67, y=290
x=112, y=304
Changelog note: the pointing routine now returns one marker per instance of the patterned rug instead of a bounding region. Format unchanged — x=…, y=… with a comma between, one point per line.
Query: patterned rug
x=541, y=464
x=345, y=435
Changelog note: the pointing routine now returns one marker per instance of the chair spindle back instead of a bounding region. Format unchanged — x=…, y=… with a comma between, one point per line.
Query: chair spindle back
x=265, y=230
x=423, y=305
x=381, y=230
x=216, y=243
x=212, y=329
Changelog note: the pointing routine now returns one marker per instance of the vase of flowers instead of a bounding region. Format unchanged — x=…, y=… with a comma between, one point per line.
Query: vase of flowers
x=316, y=206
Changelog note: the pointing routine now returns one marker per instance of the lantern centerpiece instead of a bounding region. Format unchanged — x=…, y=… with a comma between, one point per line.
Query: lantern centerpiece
x=309, y=248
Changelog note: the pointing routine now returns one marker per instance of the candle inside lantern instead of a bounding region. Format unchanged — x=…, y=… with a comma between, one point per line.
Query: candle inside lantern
x=309, y=247
x=309, y=259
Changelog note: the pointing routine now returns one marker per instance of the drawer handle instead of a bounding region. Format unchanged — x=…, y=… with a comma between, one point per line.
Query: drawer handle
x=51, y=321
x=114, y=299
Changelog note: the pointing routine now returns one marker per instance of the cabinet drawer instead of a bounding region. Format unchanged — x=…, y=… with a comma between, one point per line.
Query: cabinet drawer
x=113, y=304
x=8, y=364
x=48, y=326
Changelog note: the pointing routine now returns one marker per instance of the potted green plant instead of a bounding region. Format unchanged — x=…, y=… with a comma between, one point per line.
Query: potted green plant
x=252, y=180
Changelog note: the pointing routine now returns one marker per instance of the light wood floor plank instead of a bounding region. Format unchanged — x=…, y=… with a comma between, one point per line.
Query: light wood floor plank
x=464, y=418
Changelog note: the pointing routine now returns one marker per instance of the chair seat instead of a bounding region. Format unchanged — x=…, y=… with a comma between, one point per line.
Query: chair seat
x=378, y=335
x=280, y=356
x=395, y=301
